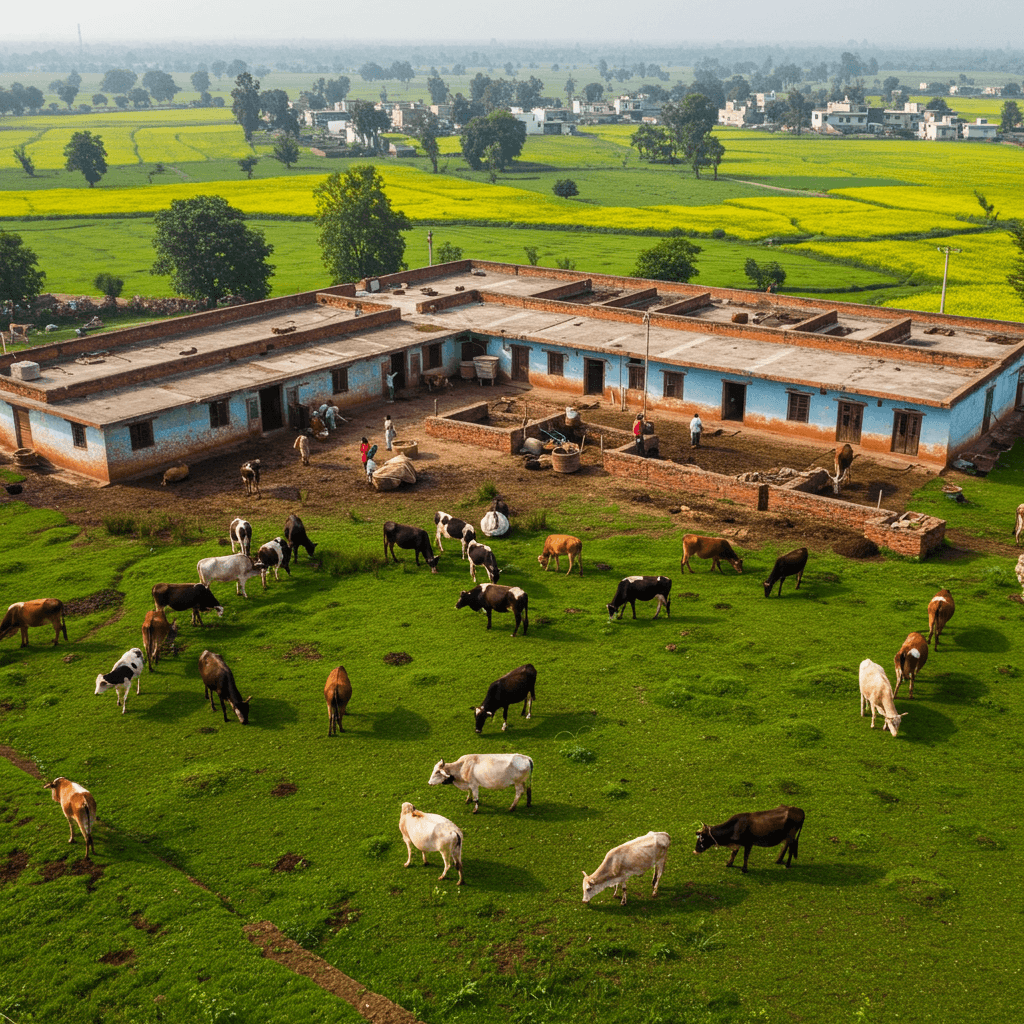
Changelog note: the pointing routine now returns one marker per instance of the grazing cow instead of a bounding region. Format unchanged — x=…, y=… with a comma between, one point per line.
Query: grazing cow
x=240, y=533
x=431, y=833
x=128, y=667
x=455, y=529
x=715, y=548
x=490, y=597
x=844, y=462
x=624, y=862
x=302, y=447
x=481, y=556
x=909, y=660
x=641, y=588
x=337, y=693
x=251, y=477
x=473, y=772
x=940, y=611
x=227, y=568
x=756, y=828
x=274, y=554
x=295, y=535
x=183, y=597
x=217, y=679
x=156, y=631
x=175, y=475
x=78, y=806
x=23, y=614
x=518, y=685
x=20, y=331
x=409, y=538
x=791, y=564
x=558, y=544
x=876, y=692
x=1018, y=527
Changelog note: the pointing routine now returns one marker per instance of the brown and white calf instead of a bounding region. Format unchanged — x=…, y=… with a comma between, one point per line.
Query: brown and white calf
x=940, y=610
x=844, y=464
x=473, y=772
x=251, y=477
x=23, y=614
x=909, y=660
x=876, y=692
x=782, y=824
x=1018, y=526
x=625, y=862
x=78, y=806
x=240, y=533
x=715, y=548
x=156, y=631
x=337, y=694
x=302, y=447
x=558, y=544
x=431, y=833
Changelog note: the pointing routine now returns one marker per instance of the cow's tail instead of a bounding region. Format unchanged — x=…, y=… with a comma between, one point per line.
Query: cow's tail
x=63, y=626
x=457, y=850
x=529, y=781
x=795, y=842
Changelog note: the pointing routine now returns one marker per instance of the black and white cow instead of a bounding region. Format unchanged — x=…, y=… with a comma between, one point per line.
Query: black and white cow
x=275, y=554
x=454, y=529
x=128, y=667
x=518, y=685
x=183, y=597
x=295, y=535
x=251, y=477
x=641, y=588
x=409, y=538
x=489, y=597
x=218, y=680
x=482, y=557
x=240, y=533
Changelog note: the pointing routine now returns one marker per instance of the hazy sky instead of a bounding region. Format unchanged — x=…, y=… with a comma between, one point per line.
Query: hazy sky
x=996, y=24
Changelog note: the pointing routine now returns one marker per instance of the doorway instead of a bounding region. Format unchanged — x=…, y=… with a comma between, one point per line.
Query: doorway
x=593, y=372
x=906, y=432
x=986, y=420
x=521, y=363
x=22, y=428
x=734, y=400
x=398, y=368
x=271, y=412
x=848, y=422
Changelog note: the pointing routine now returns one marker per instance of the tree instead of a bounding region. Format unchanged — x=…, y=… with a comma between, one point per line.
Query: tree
x=425, y=127
x=691, y=121
x=938, y=103
x=360, y=234
x=161, y=86
x=528, y=92
x=110, y=285
x=245, y=103
x=247, y=165
x=714, y=153
x=27, y=163
x=437, y=87
x=236, y=68
x=566, y=188
x=765, y=276
x=139, y=98
x=86, y=153
x=371, y=72
x=204, y=244
x=286, y=149
x=991, y=215
x=654, y=143
x=118, y=80
x=531, y=254
x=200, y=81
x=569, y=88
x=369, y=123
x=797, y=111
x=218, y=67
x=1015, y=278
x=66, y=89
x=500, y=129
x=121, y=102
x=1011, y=116
x=20, y=282
x=593, y=91
x=670, y=260
x=448, y=253
x=99, y=100
x=336, y=89
x=274, y=103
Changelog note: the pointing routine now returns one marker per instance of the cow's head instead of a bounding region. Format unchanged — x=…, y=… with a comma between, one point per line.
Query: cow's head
x=439, y=777
x=480, y=718
x=737, y=564
x=463, y=601
x=705, y=840
x=893, y=724
x=432, y=562
x=242, y=710
x=589, y=889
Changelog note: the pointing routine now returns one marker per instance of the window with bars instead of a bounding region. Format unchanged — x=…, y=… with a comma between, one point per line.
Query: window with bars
x=219, y=414
x=674, y=385
x=141, y=435
x=799, y=407
x=636, y=376
x=432, y=356
x=339, y=381
x=78, y=435
x=556, y=364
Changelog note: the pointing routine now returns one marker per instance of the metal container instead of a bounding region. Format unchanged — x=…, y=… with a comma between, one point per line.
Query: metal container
x=467, y=369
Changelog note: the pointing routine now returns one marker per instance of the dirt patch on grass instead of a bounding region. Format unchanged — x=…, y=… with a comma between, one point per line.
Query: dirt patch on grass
x=94, y=603
x=290, y=862
x=118, y=958
x=21, y=762
x=307, y=651
x=284, y=789
x=342, y=915
x=397, y=658
x=12, y=866
x=138, y=921
x=54, y=869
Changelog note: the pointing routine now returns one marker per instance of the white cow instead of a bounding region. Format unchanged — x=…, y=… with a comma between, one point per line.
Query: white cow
x=474, y=772
x=876, y=692
x=227, y=568
x=128, y=667
x=1018, y=526
x=627, y=860
x=431, y=833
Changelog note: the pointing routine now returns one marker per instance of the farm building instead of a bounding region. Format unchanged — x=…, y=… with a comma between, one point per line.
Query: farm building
x=122, y=404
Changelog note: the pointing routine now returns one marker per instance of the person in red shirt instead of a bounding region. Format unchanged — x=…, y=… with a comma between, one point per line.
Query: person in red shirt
x=638, y=433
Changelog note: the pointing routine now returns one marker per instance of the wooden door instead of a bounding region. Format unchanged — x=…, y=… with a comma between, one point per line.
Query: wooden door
x=521, y=363
x=906, y=432
x=734, y=400
x=986, y=420
x=22, y=428
x=594, y=374
x=848, y=422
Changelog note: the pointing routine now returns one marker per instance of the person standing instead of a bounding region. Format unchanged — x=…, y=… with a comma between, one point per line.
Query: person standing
x=695, y=430
x=638, y=433
x=389, y=432
x=364, y=450
x=391, y=385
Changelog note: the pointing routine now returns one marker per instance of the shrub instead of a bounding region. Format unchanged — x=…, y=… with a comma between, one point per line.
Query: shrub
x=566, y=188
x=109, y=284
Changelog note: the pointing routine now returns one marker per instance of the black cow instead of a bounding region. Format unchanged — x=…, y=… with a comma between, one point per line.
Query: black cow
x=758, y=828
x=217, y=679
x=455, y=529
x=517, y=685
x=790, y=564
x=409, y=538
x=641, y=588
x=240, y=533
x=482, y=557
x=295, y=535
x=489, y=597
x=275, y=554
x=182, y=597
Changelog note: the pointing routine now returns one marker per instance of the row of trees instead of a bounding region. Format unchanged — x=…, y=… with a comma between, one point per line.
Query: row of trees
x=687, y=128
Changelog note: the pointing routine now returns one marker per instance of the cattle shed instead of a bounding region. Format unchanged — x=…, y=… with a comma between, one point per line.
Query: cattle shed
x=122, y=404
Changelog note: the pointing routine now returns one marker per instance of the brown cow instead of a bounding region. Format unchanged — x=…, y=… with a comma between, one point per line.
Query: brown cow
x=174, y=475
x=156, y=631
x=940, y=611
x=23, y=614
x=561, y=544
x=909, y=660
x=78, y=806
x=715, y=548
x=337, y=693
x=844, y=462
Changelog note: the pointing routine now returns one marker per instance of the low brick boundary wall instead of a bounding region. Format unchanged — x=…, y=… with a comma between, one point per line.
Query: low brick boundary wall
x=466, y=426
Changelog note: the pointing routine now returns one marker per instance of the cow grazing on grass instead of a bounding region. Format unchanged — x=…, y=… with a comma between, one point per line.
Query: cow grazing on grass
x=431, y=833
x=756, y=828
x=218, y=680
x=715, y=548
x=844, y=466
x=295, y=535
x=183, y=597
x=626, y=861
x=1018, y=526
x=128, y=667
x=791, y=564
x=227, y=568
x=251, y=477
x=454, y=529
x=337, y=693
x=940, y=611
x=78, y=806
x=641, y=588
x=482, y=557
x=909, y=660
x=473, y=772
x=490, y=597
x=517, y=685
x=275, y=554
x=240, y=533
x=558, y=544
x=175, y=475
x=23, y=614
x=157, y=631
x=876, y=692
x=409, y=538
x=20, y=331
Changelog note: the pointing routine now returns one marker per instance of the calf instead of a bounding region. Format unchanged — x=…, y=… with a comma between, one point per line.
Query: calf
x=624, y=862
x=251, y=477
x=182, y=597
x=940, y=611
x=20, y=331
x=295, y=535
x=518, y=685
x=791, y=564
x=409, y=538
x=274, y=554
x=489, y=597
x=1018, y=526
x=217, y=679
x=481, y=556
x=23, y=614
x=455, y=529
x=302, y=447
x=715, y=548
x=757, y=828
x=175, y=475
x=78, y=806
x=337, y=693
x=641, y=588
x=227, y=568
x=156, y=631
x=558, y=544
x=128, y=667
x=473, y=772
x=431, y=833
x=876, y=692
x=909, y=660
x=240, y=533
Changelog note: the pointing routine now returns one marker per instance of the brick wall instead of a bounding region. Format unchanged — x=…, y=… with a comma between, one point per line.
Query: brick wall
x=846, y=514
x=467, y=426
x=917, y=543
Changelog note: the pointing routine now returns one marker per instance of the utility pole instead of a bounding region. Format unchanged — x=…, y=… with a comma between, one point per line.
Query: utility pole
x=945, y=273
x=430, y=249
x=647, y=360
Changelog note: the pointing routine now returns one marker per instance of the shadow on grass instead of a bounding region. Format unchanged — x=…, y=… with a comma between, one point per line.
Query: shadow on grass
x=397, y=724
x=985, y=639
x=500, y=876
x=947, y=688
x=835, y=874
